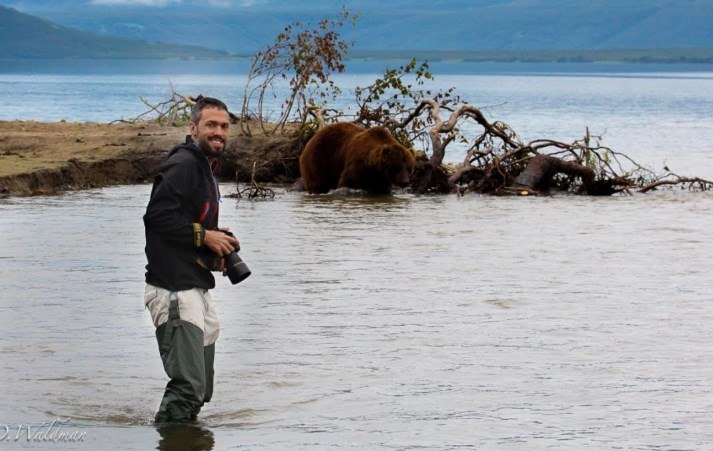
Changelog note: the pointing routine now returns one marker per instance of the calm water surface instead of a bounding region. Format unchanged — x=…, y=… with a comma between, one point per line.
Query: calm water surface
x=404, y=322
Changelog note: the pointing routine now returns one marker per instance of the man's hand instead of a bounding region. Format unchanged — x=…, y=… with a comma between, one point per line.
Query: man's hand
x=219, y=242
x=220, y=266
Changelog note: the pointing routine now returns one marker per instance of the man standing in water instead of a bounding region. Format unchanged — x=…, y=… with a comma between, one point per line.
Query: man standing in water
x=183, y=246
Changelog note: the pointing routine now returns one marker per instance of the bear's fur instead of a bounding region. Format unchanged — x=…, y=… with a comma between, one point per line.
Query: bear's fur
x=348, y=155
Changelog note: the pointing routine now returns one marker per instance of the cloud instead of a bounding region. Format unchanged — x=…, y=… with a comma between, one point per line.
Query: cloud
x=134, y=2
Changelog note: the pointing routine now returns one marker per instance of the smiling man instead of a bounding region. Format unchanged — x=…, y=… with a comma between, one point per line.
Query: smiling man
x=183, y=246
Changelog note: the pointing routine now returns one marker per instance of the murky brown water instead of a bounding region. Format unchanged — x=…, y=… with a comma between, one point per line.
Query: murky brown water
x=395, y=323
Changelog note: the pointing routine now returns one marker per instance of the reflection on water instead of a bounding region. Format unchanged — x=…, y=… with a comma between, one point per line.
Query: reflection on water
x=377, y=322
x=184, y=437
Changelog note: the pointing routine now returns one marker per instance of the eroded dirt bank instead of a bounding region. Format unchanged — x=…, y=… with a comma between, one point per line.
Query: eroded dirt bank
x=47, y=158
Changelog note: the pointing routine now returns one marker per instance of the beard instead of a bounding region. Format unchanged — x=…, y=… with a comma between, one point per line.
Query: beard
x=208, y=150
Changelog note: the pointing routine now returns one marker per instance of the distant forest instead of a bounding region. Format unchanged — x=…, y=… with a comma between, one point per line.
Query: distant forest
x=641, y=56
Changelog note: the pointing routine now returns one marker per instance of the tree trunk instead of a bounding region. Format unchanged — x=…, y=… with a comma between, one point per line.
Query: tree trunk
x=541, y=168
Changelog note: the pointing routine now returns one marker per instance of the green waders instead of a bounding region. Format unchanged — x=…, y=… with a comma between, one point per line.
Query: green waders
x=186, y=357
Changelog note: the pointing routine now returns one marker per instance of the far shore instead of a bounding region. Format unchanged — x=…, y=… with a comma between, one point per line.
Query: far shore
x=670, y=56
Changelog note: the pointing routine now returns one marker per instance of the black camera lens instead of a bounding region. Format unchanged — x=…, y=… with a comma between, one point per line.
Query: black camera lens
x=236, y=268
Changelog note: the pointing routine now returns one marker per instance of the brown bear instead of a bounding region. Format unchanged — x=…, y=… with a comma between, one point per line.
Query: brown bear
x=348, y=155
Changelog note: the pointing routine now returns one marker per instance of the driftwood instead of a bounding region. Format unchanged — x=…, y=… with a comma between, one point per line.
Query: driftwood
x=498, y=163
x=541, y=168
x=175, y=111
x=691, y=183
x=254, y=190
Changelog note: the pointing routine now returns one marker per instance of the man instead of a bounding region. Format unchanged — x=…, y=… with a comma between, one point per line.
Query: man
x=183, y=246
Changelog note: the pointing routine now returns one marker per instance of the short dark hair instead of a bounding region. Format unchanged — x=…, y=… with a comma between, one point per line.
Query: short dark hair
x=205, y=102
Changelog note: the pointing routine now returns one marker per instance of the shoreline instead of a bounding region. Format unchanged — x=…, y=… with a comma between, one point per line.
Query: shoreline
x=44, y=158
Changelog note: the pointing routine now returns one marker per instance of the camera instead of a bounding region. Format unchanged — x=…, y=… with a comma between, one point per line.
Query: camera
x=235, y=266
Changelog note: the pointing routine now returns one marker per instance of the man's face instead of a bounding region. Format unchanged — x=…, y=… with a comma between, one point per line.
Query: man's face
x=211, y=132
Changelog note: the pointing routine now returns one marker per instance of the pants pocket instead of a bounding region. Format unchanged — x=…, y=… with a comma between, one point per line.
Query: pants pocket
x=156, y=301
x=150, y=294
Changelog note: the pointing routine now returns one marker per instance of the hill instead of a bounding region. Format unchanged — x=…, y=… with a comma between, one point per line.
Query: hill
x=25, y=36
x=436, y=25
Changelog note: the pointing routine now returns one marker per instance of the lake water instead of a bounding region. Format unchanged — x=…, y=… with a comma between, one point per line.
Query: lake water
x=410, y=322
x=404, y=322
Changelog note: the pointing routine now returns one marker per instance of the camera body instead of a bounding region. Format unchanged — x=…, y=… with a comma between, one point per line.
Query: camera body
x=235, y=267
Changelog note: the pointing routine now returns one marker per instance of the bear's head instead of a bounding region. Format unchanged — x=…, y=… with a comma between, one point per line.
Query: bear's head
x=395, y=162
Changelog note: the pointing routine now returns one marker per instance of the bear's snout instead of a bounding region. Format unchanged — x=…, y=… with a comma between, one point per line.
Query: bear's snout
x=404, y=178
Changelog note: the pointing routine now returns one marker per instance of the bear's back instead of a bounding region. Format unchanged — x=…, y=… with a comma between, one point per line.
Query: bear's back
x=322, y=160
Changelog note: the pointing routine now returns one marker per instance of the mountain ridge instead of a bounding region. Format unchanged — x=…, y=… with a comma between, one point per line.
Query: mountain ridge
x=26, y=36
x=484, y=25
x=131, y=31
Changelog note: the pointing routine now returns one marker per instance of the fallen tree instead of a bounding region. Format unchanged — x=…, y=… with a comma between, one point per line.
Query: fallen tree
x=496, y=162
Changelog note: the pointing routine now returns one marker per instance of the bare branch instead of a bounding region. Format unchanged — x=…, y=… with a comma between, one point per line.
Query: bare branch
x=703, y=184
